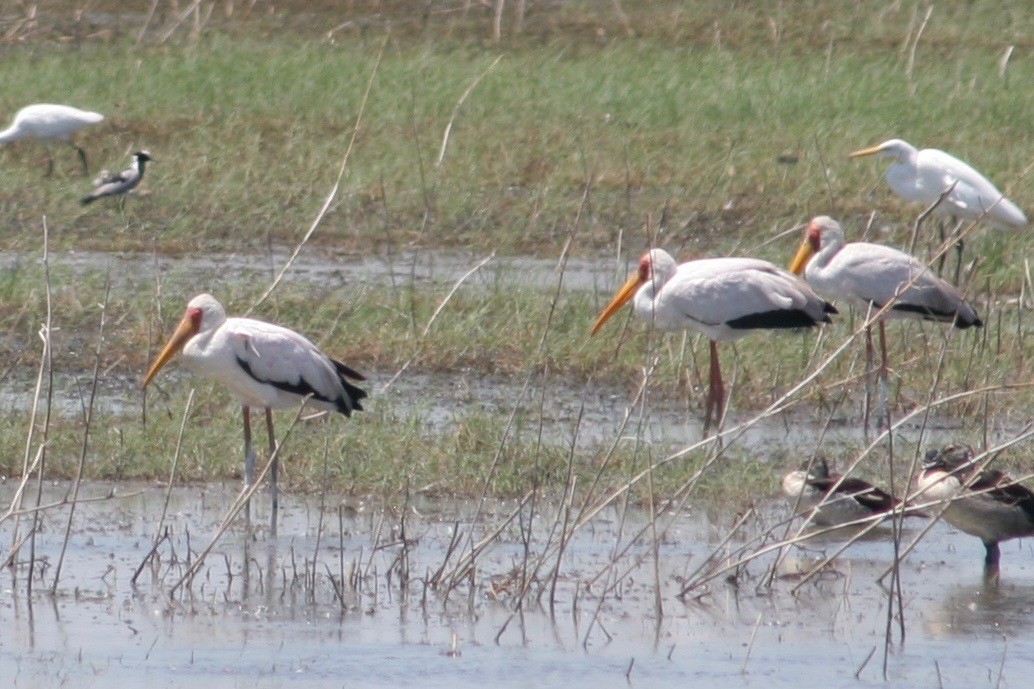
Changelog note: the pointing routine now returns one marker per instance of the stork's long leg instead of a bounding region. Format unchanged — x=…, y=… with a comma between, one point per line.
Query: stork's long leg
x=249, y=460
x=715, y=392
x=273, y=470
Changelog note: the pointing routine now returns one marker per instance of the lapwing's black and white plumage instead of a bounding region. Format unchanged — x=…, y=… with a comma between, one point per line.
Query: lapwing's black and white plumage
x=50, y=122
x=987, y=503
x=111, y=184
x=831, y=499
x=263, y=364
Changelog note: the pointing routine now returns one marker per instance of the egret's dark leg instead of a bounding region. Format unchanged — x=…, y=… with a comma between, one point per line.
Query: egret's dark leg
x=884, y=387
x=715, y=392
x=249, y=461
x=82, y=159
x=870, y=371
x=273, y=492
x=940, y=261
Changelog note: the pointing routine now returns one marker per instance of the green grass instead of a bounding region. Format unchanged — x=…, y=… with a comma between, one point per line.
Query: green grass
x=578, y=134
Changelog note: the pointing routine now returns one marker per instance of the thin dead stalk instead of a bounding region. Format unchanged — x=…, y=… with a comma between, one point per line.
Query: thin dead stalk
x=334, y=189
x=456, y=109
x=77, y=481
x=238, y=504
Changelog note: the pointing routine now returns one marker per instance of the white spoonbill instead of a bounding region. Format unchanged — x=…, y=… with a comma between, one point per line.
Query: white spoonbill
x=119, y=184
x=921, y=176
x=723, y=298
x=984, y=503
x=264, y=365
x=876, y=275
x=50, y=122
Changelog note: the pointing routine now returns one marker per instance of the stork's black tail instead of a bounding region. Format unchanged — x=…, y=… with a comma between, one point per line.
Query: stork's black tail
x=354, y=393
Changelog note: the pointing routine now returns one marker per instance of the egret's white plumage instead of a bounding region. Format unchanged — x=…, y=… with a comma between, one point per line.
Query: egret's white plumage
x=872, y=274
x=50, y=122
x=118, y=184
x=723, y=298
x=921, y=176
x=263, y=364
x=985, y=503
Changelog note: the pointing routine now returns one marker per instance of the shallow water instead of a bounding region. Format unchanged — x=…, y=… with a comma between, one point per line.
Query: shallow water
x=323, y=266
x=263, y=611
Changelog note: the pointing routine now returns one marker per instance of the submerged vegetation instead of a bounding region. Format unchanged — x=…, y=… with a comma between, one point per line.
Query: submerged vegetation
x=577, y=131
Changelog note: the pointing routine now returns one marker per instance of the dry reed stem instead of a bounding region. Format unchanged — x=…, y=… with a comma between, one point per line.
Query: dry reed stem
x=242, y=499
x=334, y=189
x=77, y=481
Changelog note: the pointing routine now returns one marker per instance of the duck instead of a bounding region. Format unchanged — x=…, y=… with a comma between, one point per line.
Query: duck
x=986, y=503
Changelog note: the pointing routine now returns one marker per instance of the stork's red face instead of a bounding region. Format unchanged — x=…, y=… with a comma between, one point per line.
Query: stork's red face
x=189, y=326
x=809, y=247
x=627, y=291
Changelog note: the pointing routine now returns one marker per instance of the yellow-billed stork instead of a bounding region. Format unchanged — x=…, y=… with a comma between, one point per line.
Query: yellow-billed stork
x=723, y=298
x=263, y=364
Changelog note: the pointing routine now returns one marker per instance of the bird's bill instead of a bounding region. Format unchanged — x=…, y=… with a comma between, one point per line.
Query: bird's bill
x=865, y=152
x=184, y=331
x=626, y=292
x=804, y=254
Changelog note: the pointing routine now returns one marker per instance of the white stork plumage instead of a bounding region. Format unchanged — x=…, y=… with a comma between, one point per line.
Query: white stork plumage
x=50, y=122
x=876, y=275
x=723, y=298
x=263, y=364
x=983, y=502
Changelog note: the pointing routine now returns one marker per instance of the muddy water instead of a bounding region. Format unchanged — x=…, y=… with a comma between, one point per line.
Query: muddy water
x=274, y=612
x=225, y=270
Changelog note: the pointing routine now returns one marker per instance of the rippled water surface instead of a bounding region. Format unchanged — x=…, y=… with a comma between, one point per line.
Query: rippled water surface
x=336, y=600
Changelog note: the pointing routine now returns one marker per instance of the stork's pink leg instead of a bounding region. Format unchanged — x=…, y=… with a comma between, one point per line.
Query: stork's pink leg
x=715, y=393
x=273, y=492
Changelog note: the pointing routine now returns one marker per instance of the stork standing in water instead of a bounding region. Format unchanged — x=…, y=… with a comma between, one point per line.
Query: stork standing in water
x=872, y=276
x=985, y=503
x=922, y=176
x=723, y=298
x=264, y=365
x=50, y=122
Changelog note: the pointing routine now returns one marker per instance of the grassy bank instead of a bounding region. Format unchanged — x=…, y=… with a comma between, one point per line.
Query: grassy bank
x=721, y=125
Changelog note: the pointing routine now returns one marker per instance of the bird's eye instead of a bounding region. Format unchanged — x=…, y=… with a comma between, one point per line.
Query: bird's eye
x=644, y=269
